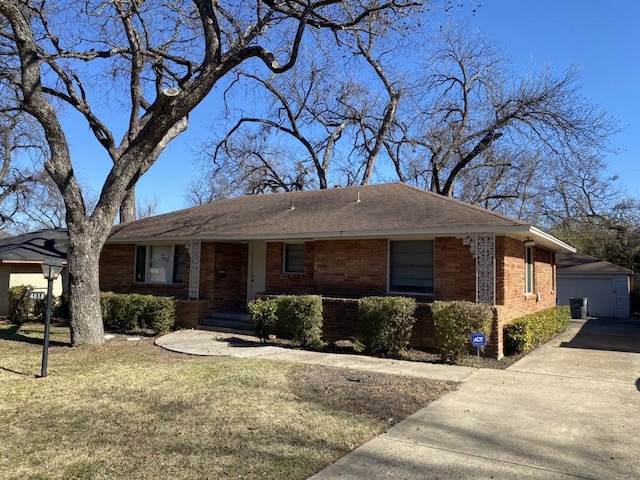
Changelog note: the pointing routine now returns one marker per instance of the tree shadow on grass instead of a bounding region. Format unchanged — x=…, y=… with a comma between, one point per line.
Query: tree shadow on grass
x=16, y=333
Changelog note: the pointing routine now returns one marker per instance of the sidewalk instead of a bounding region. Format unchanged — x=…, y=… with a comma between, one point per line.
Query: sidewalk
x=570, y=409
x=202, y=342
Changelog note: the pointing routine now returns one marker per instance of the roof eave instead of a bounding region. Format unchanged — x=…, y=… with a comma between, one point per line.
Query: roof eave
x=522, y=230
x=549, y=241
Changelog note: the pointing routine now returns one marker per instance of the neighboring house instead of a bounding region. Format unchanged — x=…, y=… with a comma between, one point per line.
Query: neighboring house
x=342, y=243
x=21, y=258
x=605, y=286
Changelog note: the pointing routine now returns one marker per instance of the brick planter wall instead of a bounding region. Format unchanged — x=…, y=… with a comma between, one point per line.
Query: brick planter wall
x=340, y=319
x=340, y=322
x=189, y=313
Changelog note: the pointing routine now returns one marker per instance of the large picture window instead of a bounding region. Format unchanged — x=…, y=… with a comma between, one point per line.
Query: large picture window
x=160, y=264
x=411, y=266
x=528, y=270
x=294, y=258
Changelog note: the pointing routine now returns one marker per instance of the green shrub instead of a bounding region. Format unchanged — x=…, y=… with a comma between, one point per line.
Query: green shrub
x=60, y=309
x=454, y=322
x=40, y=308
x=386, y=324
x=263, y=314
x=162, y=314
x=133, y=312
x=526, y=333
x=115, y=313
x=21, y=303
x=300, y=318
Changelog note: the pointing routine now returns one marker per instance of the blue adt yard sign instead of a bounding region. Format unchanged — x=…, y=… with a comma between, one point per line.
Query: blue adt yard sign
x=478, y=339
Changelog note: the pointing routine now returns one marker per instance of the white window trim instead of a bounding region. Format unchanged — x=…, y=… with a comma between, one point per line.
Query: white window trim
x=147, y=246
x=284, y=257
x=400, y=292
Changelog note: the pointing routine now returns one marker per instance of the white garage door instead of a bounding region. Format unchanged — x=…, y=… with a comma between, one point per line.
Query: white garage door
x=599, y=292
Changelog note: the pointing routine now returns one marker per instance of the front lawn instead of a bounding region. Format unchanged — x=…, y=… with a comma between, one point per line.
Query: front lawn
x=131, y=410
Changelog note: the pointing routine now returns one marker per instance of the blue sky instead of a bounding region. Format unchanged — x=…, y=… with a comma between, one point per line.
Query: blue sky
x=602, y=37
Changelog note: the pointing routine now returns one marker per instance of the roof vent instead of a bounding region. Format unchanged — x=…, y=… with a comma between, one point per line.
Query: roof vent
x=358, y=198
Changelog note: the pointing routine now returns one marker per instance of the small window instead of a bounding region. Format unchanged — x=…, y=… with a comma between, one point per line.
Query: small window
x=160, y=264
x=294, y=258
x=411, y=266
x=528, y=270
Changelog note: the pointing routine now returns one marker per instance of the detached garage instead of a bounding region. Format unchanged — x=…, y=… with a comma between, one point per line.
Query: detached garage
x=605, y=286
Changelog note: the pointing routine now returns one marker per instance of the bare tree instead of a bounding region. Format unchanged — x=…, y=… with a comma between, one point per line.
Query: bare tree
x=314, y=115
x=462, y=124
x=585, y=207
x=481, y=122
x=157, y=61
x=19, y=178
x=147, y=207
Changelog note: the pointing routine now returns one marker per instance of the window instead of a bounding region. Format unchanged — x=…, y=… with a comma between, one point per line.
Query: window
x=160, y=263
x=528, y=270
x=411, y=266
x=294, y=258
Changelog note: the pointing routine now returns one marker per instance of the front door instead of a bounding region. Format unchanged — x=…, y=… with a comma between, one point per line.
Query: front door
x=256, y=281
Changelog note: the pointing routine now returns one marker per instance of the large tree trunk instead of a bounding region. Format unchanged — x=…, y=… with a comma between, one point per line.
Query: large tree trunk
x=84, y=288
x=128, y=207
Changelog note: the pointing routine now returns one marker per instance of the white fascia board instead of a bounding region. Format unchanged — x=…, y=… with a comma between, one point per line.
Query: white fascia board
x=431, y=232
x=546, y=237
x=543, y=238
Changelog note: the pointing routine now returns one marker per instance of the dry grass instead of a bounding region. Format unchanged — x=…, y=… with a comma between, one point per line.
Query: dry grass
x=130, y=410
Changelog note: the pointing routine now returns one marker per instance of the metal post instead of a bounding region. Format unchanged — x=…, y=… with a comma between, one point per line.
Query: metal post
x=47, y=328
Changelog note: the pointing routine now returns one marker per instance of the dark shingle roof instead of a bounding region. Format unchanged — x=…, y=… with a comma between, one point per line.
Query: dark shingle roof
x=585, y=264
x=35, y=246
x=385, y=209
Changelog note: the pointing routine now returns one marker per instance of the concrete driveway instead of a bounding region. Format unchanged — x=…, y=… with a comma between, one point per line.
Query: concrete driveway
x=571, y=409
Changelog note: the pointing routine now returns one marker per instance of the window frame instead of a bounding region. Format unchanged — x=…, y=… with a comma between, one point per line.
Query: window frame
x=285, y=261
x=529, y=271
x=177, y=270
x=429, y=289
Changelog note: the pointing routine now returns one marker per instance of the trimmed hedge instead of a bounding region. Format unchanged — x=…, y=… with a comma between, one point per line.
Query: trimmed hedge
x=454, y=322
x=386, y=324
x=264, y=316
x=133, y=312
x=526, y=333
x=300, y=318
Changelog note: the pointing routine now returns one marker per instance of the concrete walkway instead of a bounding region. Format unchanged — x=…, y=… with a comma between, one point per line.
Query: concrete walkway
x=202, y=342
x=571, y=409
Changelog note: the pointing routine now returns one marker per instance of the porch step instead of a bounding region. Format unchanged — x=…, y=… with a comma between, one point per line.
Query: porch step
x=228, y=321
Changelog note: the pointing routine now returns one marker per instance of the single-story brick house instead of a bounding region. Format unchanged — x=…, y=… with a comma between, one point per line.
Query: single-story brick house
x=342, y=243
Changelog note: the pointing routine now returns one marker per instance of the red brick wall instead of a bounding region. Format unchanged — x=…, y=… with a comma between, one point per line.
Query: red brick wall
x=455, y=270
x=340, y=319
x=511, y=301
x=351, y=267
x=191, y=312
x=510, y=279
x=117, y=263
x=116, y=268
x=278, y=282
x=229, y=289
